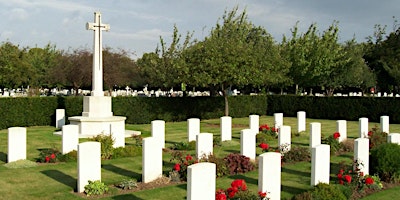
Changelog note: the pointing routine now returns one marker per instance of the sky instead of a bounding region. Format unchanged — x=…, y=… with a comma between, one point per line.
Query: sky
x=136, y=25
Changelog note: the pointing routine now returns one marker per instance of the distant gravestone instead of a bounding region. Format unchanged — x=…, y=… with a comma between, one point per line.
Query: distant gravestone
x=151, y=159
x=320, y=164
x=193, y=128
x=16, y=144
x=226, y=128
x=117, y=130
x=201, y=181
x=315, y=134
x=394, y=138
x=361, y=154
x=278, y=120
x=70, y=138
x=341, y=127
x=363, y=127
x=60, y=118
x=301, y=121
x=248, y=143
x=89, y=164
x=158, y=131
x=269, y=174
x=384, y=124
x=254, y=121
x=285, y=137
x=204, y=145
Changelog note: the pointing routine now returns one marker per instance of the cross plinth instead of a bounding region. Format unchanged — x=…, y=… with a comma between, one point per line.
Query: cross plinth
x=97, y=76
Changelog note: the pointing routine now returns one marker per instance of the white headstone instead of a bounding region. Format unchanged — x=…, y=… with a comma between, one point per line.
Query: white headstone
x=320, y=164
x=385, y=124
x=158, y=131
x=285, y=137
x=341, y=127
x=89, y=164
x=301, y=121
x=254, y=121
x=193, y=128
x=226, y=128
x=394, y=138
x=248, y=143
x=269, y=174
x=151, y=159
x=204, y=145
x=361, y=154
x=278, y=120
x=117, y=129
x=70, y=138
x=363, y=127
x=60, y=118
x=315, y=134
x=201, y=181
x=16, y=144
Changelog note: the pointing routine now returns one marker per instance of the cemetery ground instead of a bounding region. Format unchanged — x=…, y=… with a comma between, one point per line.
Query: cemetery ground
x=58, y=180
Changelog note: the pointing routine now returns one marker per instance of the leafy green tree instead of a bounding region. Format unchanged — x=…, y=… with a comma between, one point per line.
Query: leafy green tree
x=14, y=70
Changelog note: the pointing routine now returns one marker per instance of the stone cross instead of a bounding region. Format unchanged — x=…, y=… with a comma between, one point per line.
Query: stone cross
x=97, y=75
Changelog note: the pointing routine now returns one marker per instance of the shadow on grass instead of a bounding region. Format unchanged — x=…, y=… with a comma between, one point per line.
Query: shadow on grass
x=62, y=178
x=126, y=196
x=300, y=144
x=296, y=172
x=292, y=190
x=3, y=157
x=121, y=171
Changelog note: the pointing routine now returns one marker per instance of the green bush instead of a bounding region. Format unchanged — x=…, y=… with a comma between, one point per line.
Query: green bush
x=297, y=154
x=384, y=161
x=127, y=184
x=376, y=137
x=107, y=142
x=127, y=151
x=184, y=146
x=324, y=191
x=69, y=157
x=50, y=155
x=96, y=188
x=238, y=164
x=222, y=167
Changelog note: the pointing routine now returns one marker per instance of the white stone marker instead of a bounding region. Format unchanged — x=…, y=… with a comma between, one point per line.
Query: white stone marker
x=361, y=154
x=16, y=144
x=117, y=130
x=315, y=134
x=158, y=131
x=70, y=138
x=394, y=138
x=193, y=128
x=285, y=137
x=151, y=160
x=301, y=121
x=226, y=128
x=201, y=181
x=89, y=163
x=248, y=143
x=60, y=118
x=363, y=127
x=385, y=124
x=320, y=164
x=269, y=174
x=278, y=120
x=204, y=145
x=341, y=127
x=254, y=121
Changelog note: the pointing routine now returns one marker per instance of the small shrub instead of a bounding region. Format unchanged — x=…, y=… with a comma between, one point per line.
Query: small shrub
x=127, y=151
x=376, y=137
x=333, y=142
x=303, y=196
x=96, y=188
x=182, y=161
x=297, y=154
x=138, y=140
x=217, y=141
x=238, y=164
x=222, y=168
x=49, y=155
x=384, y=161
x=107, y=142
x=69, y=157
x=347, y=146
x=127, y=184
x=185, y=146
x=329, y=192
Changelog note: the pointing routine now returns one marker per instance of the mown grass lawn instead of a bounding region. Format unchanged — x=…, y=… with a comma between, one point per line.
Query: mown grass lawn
x=58, y=181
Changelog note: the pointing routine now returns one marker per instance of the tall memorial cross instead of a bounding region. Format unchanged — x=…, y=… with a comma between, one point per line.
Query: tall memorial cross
x=97, y=74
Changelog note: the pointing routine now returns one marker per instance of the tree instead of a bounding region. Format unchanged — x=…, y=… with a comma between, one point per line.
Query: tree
x=14, y=70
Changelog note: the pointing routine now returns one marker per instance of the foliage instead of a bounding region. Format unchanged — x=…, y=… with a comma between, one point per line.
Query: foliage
x=239, y=191
x=264, y=138
x=384, y=161
x=268, y=130
x=297, y=154
x=182, y=161
x=376, y=137
x=187, y=146
x=49, y=155
x=107, y=142
x=333, y=142
x=68, y=157
x=95, y=188
x=20, y=164
x=127, y=151
x=327, y=191
x=238, y=164
x=138, y=140
x=221, y=165
x=127, y=184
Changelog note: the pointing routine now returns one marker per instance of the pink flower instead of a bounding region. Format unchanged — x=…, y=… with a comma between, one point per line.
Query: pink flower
x=177, y=167
x=369, y=181
x=336, y=135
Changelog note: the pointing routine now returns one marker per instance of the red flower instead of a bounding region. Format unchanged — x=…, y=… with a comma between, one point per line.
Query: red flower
x=340, y=176
x=341, y=171
x=52, y=156
x=341, y=182
x=274, y=129
x=264, y=127
x=336, y=135
x=177, y=167
x=347, y=178
x=262, y=194
x=263, y=146
x=189, y=157
x=232, y=191
x=239, y=184
x=220, y=195
x=369, y=181
x=361, y=173
x=370, y=133
x=47, y=159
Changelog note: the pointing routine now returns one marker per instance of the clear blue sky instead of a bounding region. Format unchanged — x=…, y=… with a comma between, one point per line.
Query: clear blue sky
x=136, y=25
